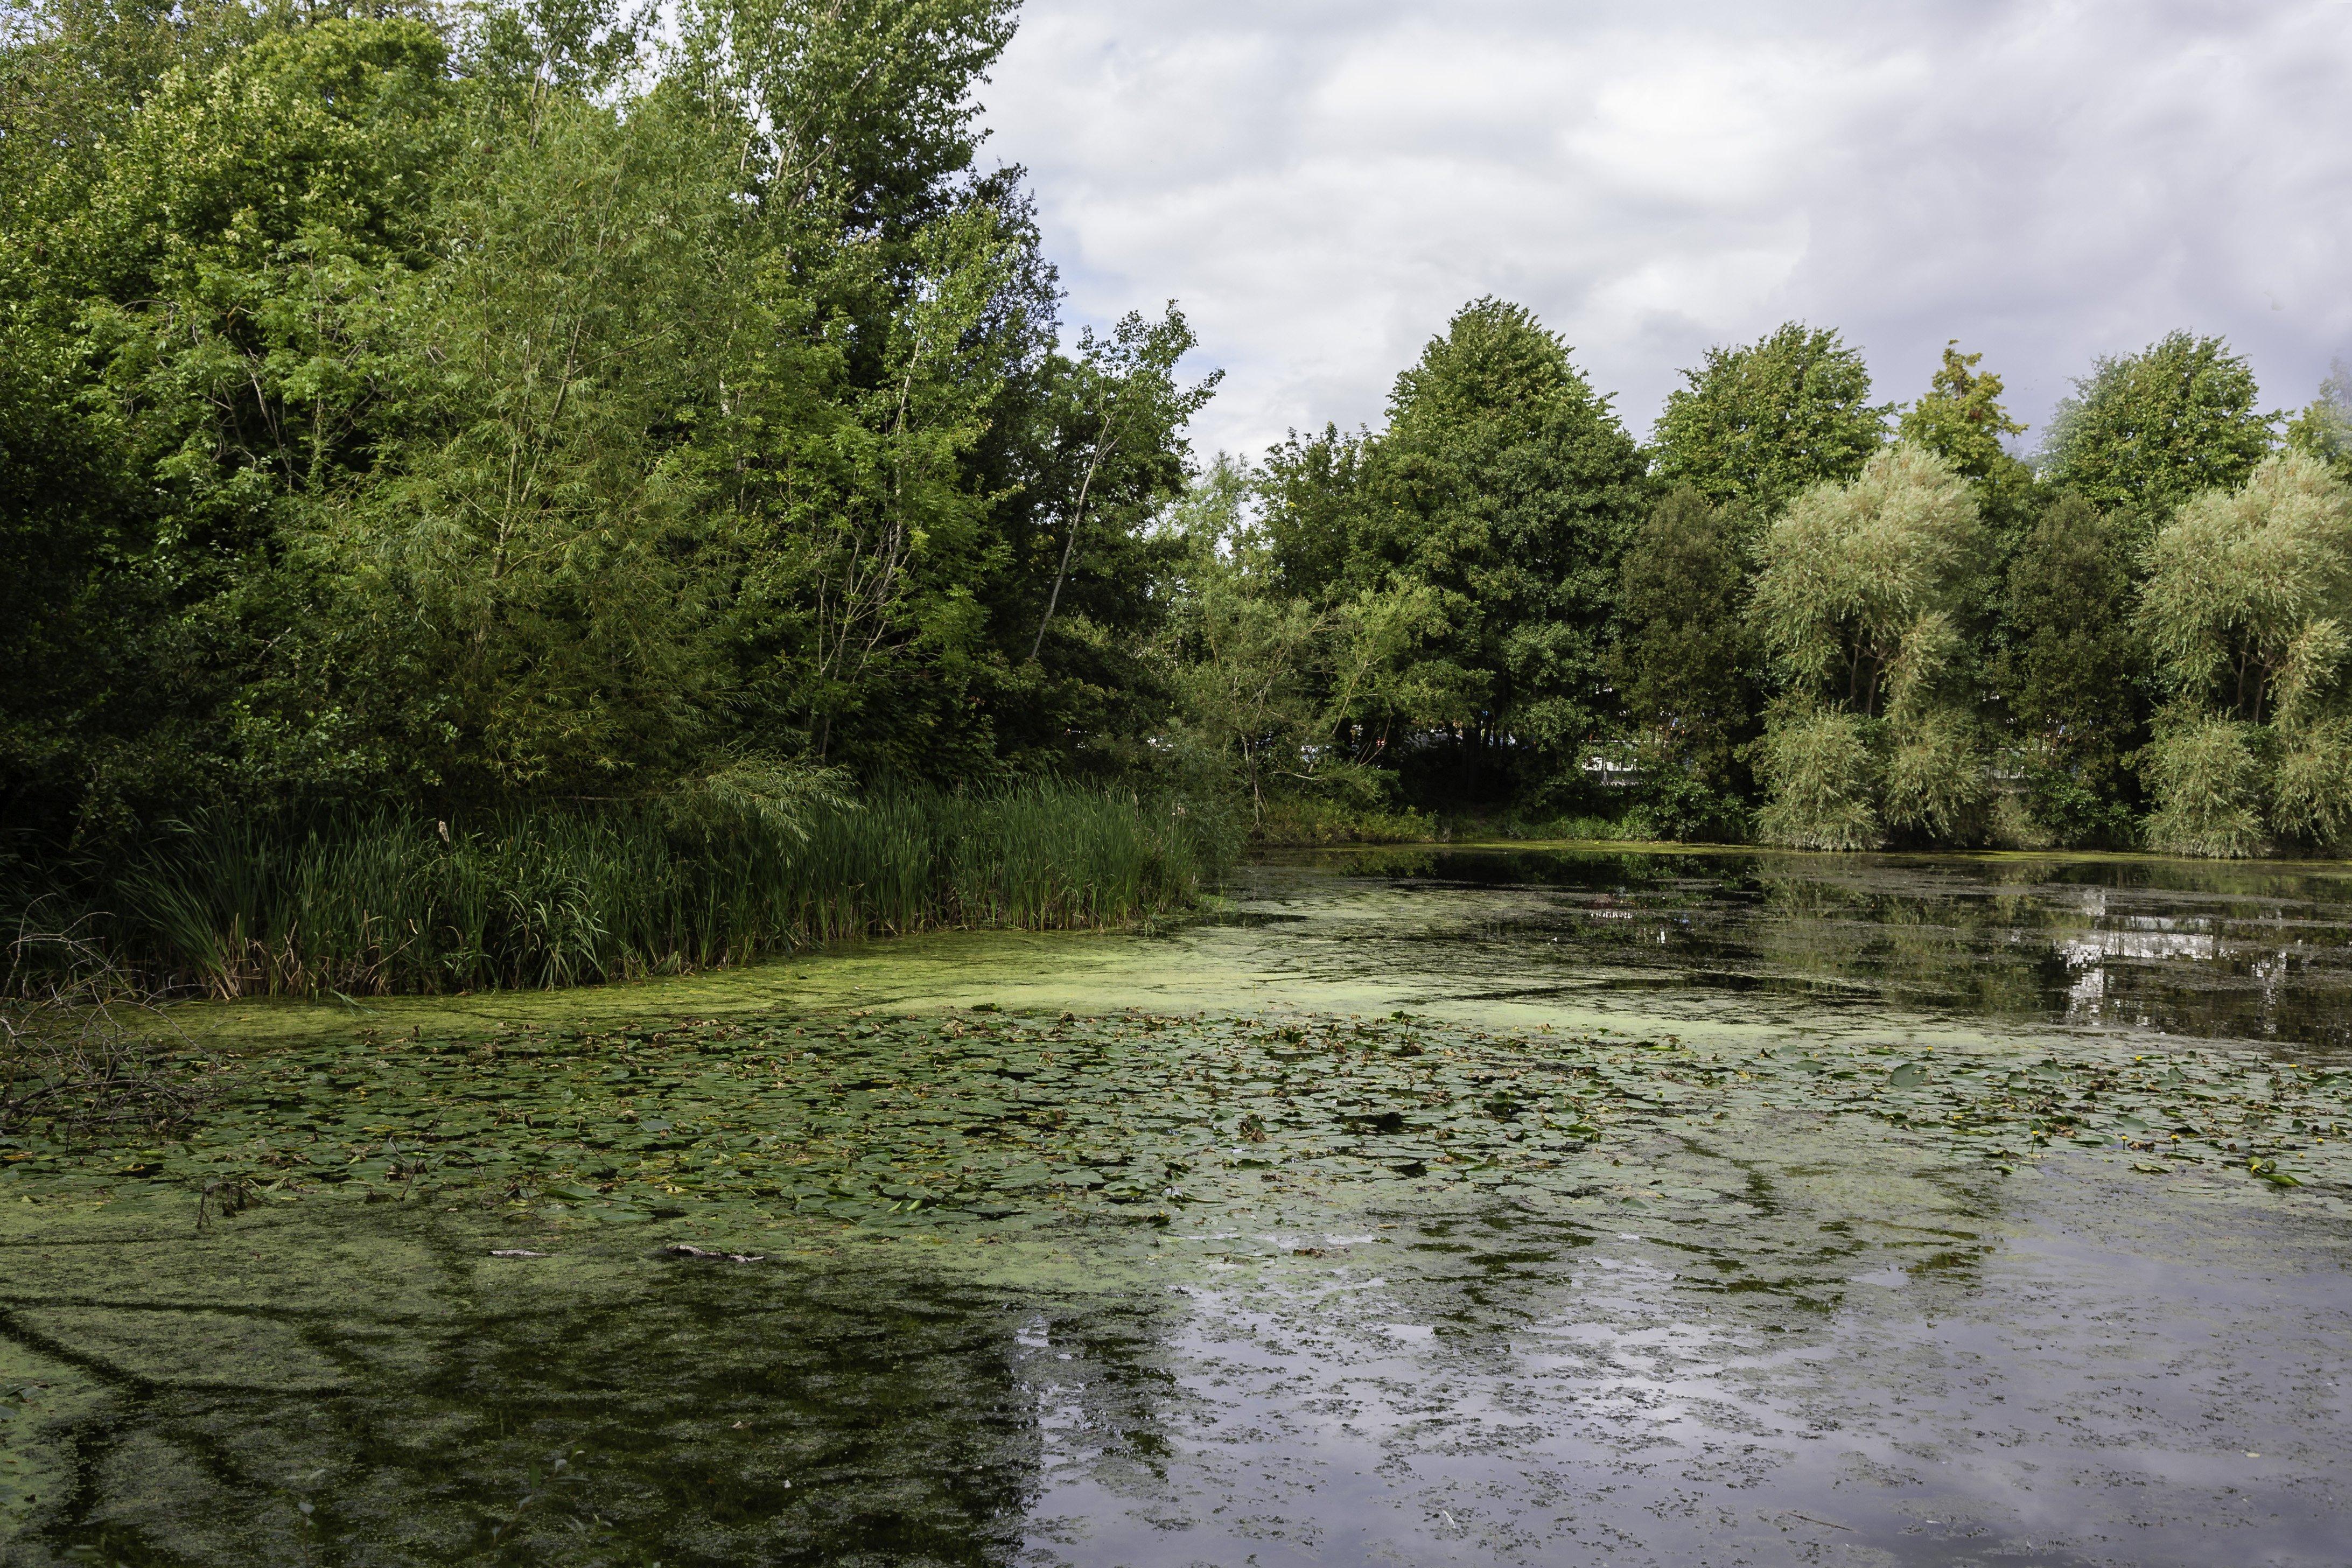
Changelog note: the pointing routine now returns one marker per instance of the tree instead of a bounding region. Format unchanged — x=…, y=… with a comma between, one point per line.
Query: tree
x=2248, y=605
x=1128, y=384
x=2249, y=596
x=1268, y=677
x=1860, y=608
x=477, y=407
x=1504, y=487
x=1760, y=424
x=2073, y=676
x=1310, y=493
x=1962, y=419
x=1682, y=661
x=2324, y=429
x=2145, y=432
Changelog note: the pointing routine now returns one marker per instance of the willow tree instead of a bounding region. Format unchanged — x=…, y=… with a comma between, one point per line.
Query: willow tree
x=2248, y=605
x=1861, y=609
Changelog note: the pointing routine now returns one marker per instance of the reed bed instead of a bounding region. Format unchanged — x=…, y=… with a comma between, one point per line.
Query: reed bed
x=371, y=904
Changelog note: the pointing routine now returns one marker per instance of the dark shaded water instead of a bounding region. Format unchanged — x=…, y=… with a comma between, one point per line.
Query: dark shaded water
x=1735, y=1328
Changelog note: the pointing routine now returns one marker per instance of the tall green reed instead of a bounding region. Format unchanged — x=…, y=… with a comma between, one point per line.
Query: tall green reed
x=371, y=903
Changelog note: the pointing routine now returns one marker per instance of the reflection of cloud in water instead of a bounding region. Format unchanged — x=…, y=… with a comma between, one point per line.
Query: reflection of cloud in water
x=2072, y=1380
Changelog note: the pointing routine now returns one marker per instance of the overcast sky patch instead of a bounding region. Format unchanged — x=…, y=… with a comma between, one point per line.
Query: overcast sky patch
x=1321, y=184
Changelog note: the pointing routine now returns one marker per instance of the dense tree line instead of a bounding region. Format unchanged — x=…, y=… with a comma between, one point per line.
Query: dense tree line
x=460, y=405
x=443, y=409
x=1802, y=616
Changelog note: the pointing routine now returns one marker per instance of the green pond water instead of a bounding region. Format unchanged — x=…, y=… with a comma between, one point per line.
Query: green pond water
x=1508, y=1206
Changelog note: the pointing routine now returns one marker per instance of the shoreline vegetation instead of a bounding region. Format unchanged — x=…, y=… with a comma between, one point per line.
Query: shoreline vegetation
x=376, y=905
x=494, y=496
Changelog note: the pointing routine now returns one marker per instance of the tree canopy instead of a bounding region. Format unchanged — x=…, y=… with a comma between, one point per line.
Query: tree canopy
x=2145, y=432
x=1760, y=424
x=525, y=407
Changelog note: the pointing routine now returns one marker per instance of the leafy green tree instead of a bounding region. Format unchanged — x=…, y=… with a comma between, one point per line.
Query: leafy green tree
x=2247, y=604
x=1310, y=490
x=1268, y=677
x=1505, y=488
x=1860, y=605
x=477, y=407
x=2145, y=432
x=1684, y=662
x=2324, y=429
x=2072, y=676
x=1962, y=419
x=1760, y=424
x=2249, y=596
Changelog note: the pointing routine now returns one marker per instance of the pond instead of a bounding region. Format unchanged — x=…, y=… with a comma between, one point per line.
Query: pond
x=1481, y=1206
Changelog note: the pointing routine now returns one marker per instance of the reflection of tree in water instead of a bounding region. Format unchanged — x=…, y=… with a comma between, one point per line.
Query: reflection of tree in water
x=2207, y=948
x=612, y=1411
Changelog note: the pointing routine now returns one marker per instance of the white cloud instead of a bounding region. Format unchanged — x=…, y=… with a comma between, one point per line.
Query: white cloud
x=1321, y=183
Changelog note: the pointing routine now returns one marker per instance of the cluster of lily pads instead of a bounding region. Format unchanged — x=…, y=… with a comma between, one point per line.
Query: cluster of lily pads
x=1000, y=1119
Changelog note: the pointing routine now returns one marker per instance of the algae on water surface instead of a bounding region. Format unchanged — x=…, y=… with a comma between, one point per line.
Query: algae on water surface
x=351, y=1360
x=1676, y=1279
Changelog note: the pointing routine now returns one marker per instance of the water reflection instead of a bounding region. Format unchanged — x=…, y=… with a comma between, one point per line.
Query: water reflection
x=597, y=1405
x=1780, y=1338
x=2043, y=1378
x=2260, y=952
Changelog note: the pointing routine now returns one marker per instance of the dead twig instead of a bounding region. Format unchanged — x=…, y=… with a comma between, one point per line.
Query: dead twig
x=81, y=1042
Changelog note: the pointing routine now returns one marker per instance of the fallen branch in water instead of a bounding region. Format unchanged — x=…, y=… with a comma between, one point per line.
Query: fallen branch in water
x=82, y=1043
x=680, y=1249
x=1809, y=1519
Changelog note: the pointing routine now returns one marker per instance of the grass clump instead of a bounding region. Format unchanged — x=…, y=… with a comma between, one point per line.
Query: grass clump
x=370, y=904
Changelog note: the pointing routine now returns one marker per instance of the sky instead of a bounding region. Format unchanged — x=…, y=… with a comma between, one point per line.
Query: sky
x=1321, y=183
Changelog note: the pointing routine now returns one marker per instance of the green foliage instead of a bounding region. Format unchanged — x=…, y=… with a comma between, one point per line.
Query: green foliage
x=2246, y=606
x=375, y=903
x=2249, y=596
x=433, y=411
x=1761, y=423
x=2073, y=676
x=1962, y=419
x=2207, y=776
x=1310, y=492
x=1684, y=659
x=480, y=413
x=1506, y=489
x=1936, y=784
x=1274, y=683
x=1862, y=583
x=2145, y=432
x=1822, y=776
x=2324, y=429
x=2312, y=796
x=1862, y=606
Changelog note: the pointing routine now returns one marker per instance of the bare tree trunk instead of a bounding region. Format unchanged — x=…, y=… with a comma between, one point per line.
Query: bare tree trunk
x=1077, y=517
